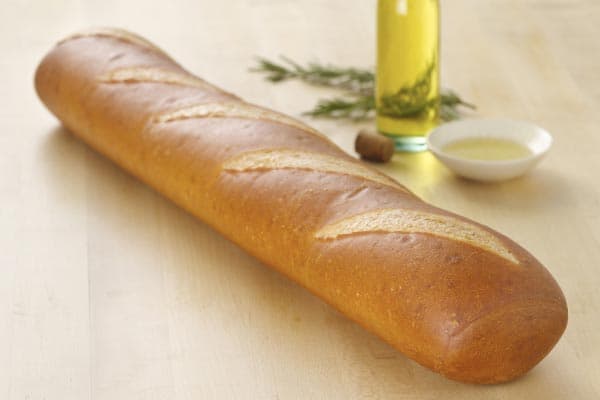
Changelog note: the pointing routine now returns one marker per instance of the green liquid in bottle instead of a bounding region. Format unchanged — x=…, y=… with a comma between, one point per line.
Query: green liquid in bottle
x=407, y=87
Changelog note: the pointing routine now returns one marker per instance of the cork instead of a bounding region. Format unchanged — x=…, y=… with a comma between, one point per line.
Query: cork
x=373, y=146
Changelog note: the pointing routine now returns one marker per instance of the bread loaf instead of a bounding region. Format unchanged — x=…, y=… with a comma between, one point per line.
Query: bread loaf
x=450, y=293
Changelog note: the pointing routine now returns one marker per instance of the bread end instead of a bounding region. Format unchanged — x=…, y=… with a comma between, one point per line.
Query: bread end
x=503, y=345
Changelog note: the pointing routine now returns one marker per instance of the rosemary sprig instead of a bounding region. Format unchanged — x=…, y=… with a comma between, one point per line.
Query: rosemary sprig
x=354, y=80
x=411, y=101
x=359, y=87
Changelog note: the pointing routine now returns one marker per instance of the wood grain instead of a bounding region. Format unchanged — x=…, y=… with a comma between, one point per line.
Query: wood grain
x=108, y=291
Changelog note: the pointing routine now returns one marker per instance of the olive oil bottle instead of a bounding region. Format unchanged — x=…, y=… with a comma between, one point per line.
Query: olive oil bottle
x=407, y=87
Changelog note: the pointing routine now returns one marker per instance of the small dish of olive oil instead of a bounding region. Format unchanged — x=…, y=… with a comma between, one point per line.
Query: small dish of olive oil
x=489, y=149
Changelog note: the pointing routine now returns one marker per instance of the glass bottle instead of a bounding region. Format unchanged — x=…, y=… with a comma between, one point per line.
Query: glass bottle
x=407, y=86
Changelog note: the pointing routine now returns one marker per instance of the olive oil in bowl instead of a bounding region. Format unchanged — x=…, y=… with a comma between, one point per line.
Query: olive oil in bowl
x=487, y=148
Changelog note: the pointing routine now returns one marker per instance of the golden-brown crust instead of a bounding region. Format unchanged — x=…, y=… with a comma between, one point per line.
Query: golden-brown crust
x=116, y=34
x=452, y=294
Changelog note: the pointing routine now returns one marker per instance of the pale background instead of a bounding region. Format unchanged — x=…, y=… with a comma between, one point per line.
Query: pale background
x=108, y=291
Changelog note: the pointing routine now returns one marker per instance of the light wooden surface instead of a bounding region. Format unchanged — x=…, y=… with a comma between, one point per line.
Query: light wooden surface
x=108, y=291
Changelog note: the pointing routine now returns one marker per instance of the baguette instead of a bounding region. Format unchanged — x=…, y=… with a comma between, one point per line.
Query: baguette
x=452, y=294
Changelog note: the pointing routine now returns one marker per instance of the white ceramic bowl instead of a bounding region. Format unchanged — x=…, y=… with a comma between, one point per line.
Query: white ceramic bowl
x=536, y=139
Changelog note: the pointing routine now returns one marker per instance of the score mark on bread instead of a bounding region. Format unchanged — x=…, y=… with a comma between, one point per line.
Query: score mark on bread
x=410, y=221
x=234, y=110
x=293, y=159
x=155, y=75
